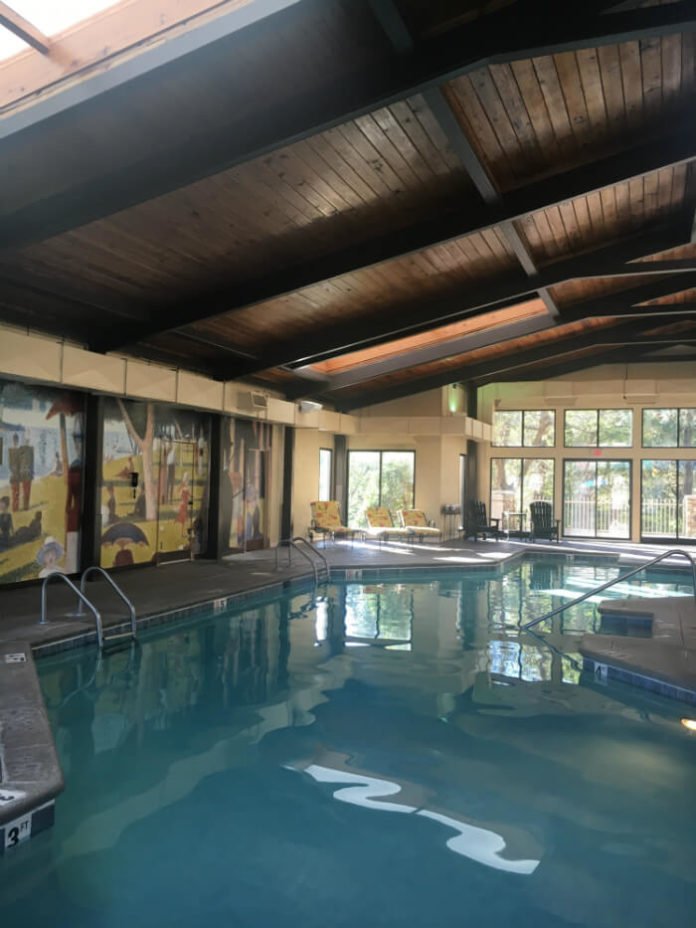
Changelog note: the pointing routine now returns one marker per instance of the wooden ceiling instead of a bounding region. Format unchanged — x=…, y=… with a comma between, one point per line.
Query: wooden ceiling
x=357, y=200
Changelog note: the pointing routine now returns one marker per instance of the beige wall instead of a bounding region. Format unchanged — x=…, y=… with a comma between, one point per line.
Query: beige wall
x=305, y=475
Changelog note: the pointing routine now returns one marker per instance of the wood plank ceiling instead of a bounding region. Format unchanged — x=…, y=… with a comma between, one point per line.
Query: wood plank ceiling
x=361, y=199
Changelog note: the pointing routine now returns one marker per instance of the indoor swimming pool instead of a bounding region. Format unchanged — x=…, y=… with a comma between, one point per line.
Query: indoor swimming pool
x=377, y=754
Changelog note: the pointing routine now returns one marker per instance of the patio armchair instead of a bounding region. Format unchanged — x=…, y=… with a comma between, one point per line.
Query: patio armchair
x=326, y=521
x=415, y=521
x=381, y=525
x=543, y=523
x=478, y=523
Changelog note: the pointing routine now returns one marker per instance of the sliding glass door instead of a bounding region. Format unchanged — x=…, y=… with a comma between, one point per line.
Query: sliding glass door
x=597, y=499
x=668, y=499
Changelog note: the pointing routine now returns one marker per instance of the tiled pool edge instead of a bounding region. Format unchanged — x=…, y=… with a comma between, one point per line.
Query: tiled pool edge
x=30, y=772
x=604, y=671
x=265, y=592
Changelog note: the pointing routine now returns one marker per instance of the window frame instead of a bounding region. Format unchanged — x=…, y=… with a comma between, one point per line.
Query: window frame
x=330, y=452
x=598, y=411
x=381, y=452
x=523, y=412
x=522, y=461
x=678, y=410
x=596, y=462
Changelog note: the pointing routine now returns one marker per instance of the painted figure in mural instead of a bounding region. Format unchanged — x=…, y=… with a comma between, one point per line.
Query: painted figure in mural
x=163, y=473
x=182, y=515
x=26, y=470
x=110, y=504
x=13, y=456
x=171, y=471
x=6, y=527
x=73, y=503
x=125, y=472
x=139, y=505
x=48, y=556
x=28, y=532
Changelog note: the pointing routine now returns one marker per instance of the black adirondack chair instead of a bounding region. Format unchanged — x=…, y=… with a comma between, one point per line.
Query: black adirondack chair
x=478, y=522
x=543, y=523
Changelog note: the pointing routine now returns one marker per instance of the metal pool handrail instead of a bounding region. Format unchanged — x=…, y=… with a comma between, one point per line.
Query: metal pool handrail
x=605, y=586
x=294, y=543
x=119, y=592
x=80, y=595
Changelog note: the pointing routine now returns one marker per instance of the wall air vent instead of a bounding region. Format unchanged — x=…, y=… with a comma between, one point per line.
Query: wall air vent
x=253, y=402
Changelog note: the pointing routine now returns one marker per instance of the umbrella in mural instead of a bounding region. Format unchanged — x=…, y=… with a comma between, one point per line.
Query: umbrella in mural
x=124, y=534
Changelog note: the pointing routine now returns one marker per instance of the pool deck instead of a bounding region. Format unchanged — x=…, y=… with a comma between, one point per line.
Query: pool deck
x=170, y=587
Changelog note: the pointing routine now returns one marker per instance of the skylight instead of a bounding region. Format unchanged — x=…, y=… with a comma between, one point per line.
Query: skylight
x=49, y=17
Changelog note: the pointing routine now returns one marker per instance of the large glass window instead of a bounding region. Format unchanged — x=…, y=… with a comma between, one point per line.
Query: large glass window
x=517, y=482
x=668, y=500
x=597, y=499
x=531, y=428
x=669, y=428
x=325, y=473
x=603, y=428
x=379, y=478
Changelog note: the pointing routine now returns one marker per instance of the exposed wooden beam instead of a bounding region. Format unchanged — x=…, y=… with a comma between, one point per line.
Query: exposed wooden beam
x=508, y=36
x=420, y=315
x=489, y=371
x=675, y=148
x=425, y=355
x=626, y=302
x=397, y=31
x=23, y=29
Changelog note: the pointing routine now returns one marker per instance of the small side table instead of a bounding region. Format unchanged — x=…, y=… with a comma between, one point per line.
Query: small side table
x=510, y=517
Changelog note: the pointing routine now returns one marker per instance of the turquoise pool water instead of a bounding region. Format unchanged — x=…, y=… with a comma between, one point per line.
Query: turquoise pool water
x=387, y=755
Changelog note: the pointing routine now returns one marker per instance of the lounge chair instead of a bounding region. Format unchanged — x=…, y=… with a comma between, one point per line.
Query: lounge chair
x=381, y=525
x=326, y=521
x=415, y=521
x=478, y=523
x=543, y=523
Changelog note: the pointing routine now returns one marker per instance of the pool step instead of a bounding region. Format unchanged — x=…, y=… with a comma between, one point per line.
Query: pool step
x=664, y=662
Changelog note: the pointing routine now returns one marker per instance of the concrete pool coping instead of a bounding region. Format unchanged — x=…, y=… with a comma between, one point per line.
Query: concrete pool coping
x=30, y=772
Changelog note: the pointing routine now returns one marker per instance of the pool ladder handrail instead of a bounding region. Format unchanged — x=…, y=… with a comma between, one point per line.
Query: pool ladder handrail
x=605, y=586
x=294, y=544
x=133, y=633
x=57, y=575
x=84, y=600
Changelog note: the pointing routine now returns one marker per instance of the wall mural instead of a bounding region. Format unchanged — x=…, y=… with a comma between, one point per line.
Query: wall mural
x=154, y=492
x=246, y=491
x=41, y=442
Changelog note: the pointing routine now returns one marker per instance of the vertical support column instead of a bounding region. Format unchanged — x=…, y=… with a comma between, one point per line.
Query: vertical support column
x=218, y=510
x=341, y=474
x=92, y=455
x=472, y=487
x=286, y=506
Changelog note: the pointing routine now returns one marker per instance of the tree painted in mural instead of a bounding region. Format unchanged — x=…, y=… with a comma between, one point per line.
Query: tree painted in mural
x=154, y=482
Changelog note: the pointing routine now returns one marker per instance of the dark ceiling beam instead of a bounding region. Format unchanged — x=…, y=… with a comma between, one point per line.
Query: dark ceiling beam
x=622, y=302
x=510, y=35
x=199, y=35
x=416, y=356
x=23, y=29
x=675, y=148
x=489, y=370
x=422, y=315
x=392, y=22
